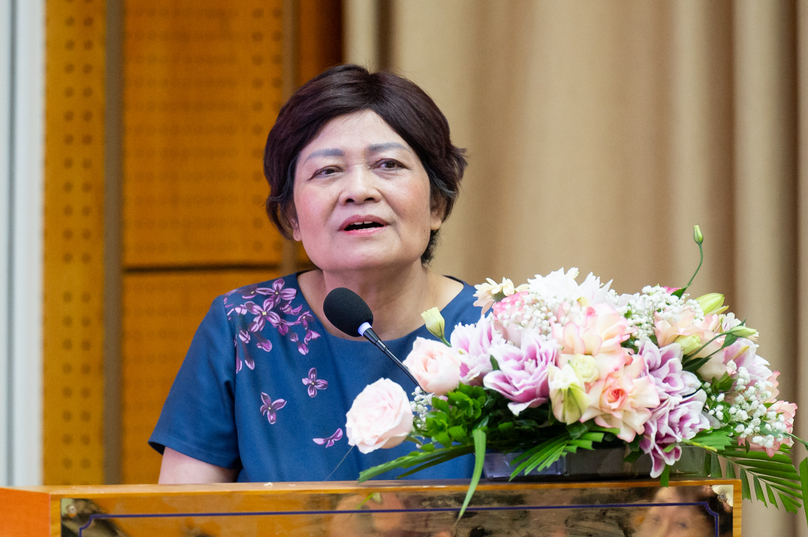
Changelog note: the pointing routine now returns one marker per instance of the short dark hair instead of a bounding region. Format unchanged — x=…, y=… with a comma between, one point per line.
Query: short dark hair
x=346, y=89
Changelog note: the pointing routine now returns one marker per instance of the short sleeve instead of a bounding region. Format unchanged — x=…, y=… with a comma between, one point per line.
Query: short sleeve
x=198, y=418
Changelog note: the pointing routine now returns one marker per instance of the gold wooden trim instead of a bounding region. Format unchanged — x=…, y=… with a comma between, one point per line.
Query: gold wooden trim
x=73, y=243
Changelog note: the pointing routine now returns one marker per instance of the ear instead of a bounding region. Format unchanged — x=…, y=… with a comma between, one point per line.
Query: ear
x=435, y=220
x=291, y=217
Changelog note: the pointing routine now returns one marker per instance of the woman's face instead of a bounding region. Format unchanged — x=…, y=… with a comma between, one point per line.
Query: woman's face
x=675, y=520
x=361, y=197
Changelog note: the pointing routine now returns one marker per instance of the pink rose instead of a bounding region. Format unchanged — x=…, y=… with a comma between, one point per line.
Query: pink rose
x=380, y=417
x=434, y=365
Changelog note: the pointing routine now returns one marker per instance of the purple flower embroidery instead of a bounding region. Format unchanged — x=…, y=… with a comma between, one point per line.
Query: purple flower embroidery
x=277, y=303
x=262, y=314
x=270, y=407
x=262, y=343
x=277, y=293
x=314, y=383
x=331, y=440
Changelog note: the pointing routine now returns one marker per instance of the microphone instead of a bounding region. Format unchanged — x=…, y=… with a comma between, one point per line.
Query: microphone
x=349, y=313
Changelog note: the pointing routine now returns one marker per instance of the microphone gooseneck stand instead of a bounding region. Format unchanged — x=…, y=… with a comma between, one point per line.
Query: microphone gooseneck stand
x=349, y=313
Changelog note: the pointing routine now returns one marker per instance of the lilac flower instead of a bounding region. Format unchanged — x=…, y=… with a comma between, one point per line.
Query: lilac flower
x=289, y=310
x=277, y=293
x=522, y=374
x=262, y=343
x=314, y=383
x=244, y=335
x=305, y=318
x=270, y=407
x=249, y=291
x=310, y=334
x=262, y=315
x=331, y=440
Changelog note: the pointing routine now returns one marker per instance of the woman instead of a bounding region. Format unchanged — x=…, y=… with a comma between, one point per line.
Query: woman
x=362, y=170
x=687, y=512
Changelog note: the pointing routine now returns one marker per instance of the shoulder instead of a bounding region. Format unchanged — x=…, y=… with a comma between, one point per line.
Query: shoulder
x=279, y=292
x=462, y=308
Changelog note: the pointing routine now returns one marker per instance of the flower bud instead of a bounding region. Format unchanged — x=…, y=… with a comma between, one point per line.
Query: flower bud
x=697, y=236
x=711, y=303
x=689, y=343
x=743, y=331
x=434, y=322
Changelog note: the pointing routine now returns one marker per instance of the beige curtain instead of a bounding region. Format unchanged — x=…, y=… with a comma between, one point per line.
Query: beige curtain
x=599, y=132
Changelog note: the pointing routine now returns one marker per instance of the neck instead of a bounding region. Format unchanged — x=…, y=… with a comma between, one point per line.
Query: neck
x=396, y=299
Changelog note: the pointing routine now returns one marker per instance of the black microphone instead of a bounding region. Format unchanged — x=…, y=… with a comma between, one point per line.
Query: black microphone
x=348, y=312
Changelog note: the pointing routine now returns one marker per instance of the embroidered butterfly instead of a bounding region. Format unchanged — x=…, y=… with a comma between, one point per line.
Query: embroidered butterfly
x=331, y=440
x=314, y=383
x=270, y=407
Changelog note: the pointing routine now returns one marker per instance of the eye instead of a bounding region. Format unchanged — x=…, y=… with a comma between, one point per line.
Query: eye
x=326, y=171
x=390, y=165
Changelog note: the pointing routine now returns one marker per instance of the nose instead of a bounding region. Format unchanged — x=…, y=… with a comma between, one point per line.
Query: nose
x=359, y=186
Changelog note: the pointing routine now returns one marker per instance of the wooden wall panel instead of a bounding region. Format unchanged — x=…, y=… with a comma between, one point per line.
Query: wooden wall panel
x=203, y=82
x=73, y=243
x=163, y=310
x=202, y=86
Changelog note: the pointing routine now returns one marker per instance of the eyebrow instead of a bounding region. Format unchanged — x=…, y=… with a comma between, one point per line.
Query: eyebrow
x=370, y=150
x=325, y=153
x=378, y=148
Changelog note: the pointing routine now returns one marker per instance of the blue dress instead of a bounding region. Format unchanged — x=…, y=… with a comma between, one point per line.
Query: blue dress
x=264, y=389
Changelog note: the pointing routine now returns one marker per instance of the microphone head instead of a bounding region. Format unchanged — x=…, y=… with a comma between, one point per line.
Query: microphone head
x=346, y=310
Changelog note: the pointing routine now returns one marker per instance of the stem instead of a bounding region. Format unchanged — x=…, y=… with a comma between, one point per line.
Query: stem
x=701, y=260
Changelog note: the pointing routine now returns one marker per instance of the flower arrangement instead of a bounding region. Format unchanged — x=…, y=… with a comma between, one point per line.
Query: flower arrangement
x=554, y=366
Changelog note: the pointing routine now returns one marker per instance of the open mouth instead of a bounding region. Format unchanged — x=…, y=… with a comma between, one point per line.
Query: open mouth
x=362, y=225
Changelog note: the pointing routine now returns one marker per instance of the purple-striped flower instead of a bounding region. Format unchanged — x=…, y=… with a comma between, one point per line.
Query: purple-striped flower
x=270, y=407
x=313, y=383
x=331, y=440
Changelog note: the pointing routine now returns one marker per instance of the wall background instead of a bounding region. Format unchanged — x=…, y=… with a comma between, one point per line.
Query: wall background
x=599, y=132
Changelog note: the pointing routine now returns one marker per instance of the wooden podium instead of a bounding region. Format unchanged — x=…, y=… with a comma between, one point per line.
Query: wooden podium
x=388, y=508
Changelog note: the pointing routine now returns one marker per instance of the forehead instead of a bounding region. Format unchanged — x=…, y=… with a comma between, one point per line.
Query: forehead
x=356, y=130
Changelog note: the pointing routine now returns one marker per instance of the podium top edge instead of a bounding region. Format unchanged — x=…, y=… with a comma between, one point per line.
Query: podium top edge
x=88, y=491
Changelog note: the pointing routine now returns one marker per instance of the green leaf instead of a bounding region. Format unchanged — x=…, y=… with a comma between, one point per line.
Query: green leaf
x=443, y=438
x=746, y=494
x=440, y=404
x=633, y=456
x=790, y=505
x=506, y=427
x=479, y=457
x=715, y=467
x=759, y=491
x=694, y=364
x=804, y=482
x=577, y=429
x=772, y=497
x=458, y=434
x=664, y=477
x=729, y=340
x=730, y=470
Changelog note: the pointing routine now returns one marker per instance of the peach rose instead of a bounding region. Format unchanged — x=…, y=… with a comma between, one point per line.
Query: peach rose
x=380, y=417
x=434, y=365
